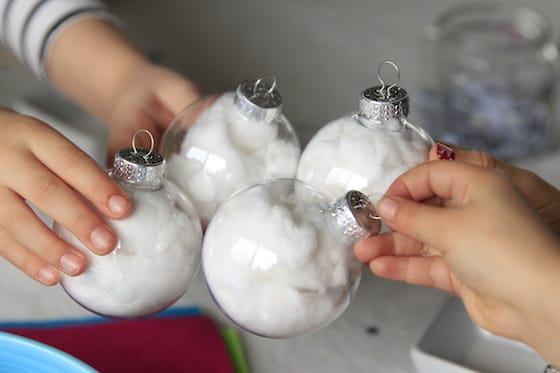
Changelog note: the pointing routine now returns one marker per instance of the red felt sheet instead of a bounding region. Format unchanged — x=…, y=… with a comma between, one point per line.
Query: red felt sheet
x=167, y=344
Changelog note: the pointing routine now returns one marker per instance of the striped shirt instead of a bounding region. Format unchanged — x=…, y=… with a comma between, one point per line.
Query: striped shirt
x=28, y=27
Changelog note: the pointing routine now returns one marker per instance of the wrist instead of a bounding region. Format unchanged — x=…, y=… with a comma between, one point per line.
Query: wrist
x=91, y=62
x=542, y=328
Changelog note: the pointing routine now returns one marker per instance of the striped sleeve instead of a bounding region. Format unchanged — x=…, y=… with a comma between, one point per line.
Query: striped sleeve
x=28, y=27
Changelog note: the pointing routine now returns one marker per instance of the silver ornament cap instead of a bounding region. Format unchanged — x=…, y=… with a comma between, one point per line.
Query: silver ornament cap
x=355, y=216
x=379, y=107
x=384, y=102
x=259, y=99
x=139, y=167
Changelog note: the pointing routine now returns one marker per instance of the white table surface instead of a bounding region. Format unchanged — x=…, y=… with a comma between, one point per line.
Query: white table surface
x=400, y=312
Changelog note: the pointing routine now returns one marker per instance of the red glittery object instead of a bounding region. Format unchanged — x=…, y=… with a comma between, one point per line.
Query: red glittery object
x=445, y=153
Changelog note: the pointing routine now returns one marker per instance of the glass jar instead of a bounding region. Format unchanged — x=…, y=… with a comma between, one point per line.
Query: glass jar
x=277, y=256
x=158, y=249
x=494, y=80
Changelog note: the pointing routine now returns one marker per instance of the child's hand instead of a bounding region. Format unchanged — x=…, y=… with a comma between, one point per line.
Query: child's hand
x=150, y=100
x=542, y=196
x=95, y=65
x=41, y=166
x=484, y=244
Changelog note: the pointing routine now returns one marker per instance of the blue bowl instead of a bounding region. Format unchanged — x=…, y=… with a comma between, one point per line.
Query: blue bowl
x=24, y=355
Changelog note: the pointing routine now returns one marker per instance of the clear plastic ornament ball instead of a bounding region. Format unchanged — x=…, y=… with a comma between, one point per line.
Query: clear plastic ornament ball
x=278, y=256
x=368, y=149
x=220, y=144
x=158, y=249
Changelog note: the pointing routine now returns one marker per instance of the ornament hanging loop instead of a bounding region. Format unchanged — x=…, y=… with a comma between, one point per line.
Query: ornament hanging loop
x=152, y=142
x=386, y=90
x=261, y=82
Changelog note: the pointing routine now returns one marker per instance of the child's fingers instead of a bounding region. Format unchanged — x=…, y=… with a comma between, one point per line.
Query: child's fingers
x=441, y=152
x=450, y=181
x=456, y=183
x=416, y=220
x=474, y=157
x=424, y=271
x=56, y=199
x=534, y=188
x=26, y=261
x=389, y=244
x=23, y=226
x=81, y=172
x=422, y=222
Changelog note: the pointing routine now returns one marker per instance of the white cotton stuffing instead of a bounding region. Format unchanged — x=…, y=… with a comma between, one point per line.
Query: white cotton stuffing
x=273, y=266
x=345, y=155
x=157, y=256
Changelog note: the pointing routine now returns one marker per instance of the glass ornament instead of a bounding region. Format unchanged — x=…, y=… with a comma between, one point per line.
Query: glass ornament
x=368, y=149
x=220, y=144
x=158, y=249
x=278, y=259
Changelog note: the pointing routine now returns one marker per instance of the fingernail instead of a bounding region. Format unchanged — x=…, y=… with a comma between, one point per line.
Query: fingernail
x=70, y=263
x=102, y=239
x=444, y=153
x=387, y=207
x=118, y=204
x=47, y=275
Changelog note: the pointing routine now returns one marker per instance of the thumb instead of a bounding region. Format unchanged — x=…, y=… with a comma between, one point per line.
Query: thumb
x=425, y=223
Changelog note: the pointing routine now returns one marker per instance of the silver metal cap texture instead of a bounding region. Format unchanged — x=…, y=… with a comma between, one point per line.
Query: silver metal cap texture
x=355, y=216
x=259, y=99
x=380, y=103
x=139, y=167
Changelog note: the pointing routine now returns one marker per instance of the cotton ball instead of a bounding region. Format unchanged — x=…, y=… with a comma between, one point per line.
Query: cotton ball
x=279, y=160
x=272, y=264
